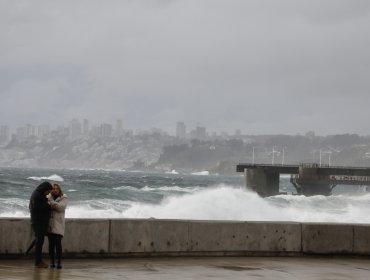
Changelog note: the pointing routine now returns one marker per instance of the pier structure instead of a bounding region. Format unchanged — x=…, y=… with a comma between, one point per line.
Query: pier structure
x=308, y=179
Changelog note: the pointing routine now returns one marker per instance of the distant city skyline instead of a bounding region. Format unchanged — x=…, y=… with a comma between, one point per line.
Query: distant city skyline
x=76, y=127
x=171, y=130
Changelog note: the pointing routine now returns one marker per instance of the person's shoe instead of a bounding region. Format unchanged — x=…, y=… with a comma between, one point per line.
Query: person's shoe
x=41, y=265
x=59, y=266
x=52, y=265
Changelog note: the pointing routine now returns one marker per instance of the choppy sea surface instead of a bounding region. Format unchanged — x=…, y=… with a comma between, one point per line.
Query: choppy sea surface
x=199, y=196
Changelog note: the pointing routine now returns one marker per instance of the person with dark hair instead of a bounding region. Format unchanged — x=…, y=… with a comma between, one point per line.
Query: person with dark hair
x=58, y=203
x=40, y=215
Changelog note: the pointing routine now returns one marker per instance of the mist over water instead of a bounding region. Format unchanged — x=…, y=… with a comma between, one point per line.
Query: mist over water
x=120, y=194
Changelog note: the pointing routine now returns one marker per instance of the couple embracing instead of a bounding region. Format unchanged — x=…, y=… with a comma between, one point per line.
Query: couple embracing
x=47, y=207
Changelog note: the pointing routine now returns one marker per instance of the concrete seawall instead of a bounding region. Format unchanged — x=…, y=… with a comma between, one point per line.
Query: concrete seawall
x=154, y=237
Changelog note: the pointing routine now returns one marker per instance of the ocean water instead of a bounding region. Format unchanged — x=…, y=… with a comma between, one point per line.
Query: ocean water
x=200, y=196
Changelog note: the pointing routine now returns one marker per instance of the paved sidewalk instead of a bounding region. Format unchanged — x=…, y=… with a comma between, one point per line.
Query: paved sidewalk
x=194, y=268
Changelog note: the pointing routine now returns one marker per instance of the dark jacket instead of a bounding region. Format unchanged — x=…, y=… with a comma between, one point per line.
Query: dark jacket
x=40, y=209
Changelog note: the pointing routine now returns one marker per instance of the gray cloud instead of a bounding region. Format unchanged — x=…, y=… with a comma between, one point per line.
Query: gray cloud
x=261, y=66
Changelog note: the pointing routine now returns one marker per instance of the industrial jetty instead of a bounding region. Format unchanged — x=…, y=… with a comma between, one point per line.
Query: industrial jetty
x=308, y=179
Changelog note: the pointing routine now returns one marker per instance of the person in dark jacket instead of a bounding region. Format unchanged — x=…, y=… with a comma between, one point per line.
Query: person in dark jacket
x=40, y=215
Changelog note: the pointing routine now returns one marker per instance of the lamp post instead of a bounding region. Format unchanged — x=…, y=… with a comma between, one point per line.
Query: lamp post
x=329, y=156
x=273, y=155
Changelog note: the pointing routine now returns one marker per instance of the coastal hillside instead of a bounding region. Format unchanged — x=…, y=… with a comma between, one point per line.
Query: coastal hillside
x=159, y=152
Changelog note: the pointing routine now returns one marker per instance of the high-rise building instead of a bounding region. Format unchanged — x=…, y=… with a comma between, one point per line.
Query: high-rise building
x=62, y=131
x=199, y=133
x=95, y=130
x=119, y=128
x=43, y=130
x=75, y=128
x=85, y=127
x=31, y=130
x=180, y=130
x=238, y=132
x=106, y=130
x=21, y=132
x=224, y=134
x=4, y=134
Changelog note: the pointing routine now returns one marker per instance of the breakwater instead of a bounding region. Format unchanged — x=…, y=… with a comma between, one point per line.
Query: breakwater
x=154, y=237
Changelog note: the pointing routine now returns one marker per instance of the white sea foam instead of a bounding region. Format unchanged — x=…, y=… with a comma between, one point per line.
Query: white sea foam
x=156, y=189
x=203, y=173
x=106, y=208
x=170, y=188
x=87, y=181
x=13, y=207
x=125, y=188
x=225, y=203
x=217, y=203
x=55, y=178
x=173, y=171
x=15, y=214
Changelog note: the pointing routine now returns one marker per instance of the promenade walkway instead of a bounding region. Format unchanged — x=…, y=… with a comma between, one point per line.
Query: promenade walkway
x=335, y=268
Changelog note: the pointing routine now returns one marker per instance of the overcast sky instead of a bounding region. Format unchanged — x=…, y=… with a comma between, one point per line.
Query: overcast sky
x=264, y=67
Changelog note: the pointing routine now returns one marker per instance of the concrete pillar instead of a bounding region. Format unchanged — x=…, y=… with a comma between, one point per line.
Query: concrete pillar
x=311, y=182
x=263, y=182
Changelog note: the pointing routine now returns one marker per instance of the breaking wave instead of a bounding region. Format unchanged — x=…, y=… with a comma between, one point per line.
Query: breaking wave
x=216, y=203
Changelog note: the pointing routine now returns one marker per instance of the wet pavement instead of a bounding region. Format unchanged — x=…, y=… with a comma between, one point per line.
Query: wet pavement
x=194, y=268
